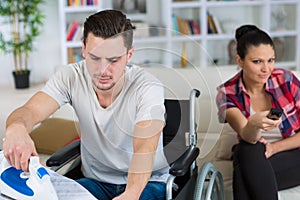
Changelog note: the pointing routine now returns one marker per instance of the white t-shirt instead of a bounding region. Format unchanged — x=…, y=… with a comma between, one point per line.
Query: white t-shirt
x=106, y=133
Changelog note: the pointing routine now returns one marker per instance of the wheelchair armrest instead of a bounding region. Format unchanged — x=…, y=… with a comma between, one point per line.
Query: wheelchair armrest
x=64, y=155
x=181, y=166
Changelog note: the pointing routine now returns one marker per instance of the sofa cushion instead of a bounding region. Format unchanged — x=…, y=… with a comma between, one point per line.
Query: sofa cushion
x=53, y=134
x=228, y=138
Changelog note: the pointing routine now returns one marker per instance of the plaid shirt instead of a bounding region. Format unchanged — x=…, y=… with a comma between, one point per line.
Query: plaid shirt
x=283, y=90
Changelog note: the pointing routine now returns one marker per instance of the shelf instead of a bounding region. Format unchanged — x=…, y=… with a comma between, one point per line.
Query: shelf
x=284, y=33
x=73, y=44
x=165, y=47
x=234, y=3
x=78, y=9
x=189, y=4
x=184, y=38
x=160, y=39
x=277, y=2
x=220, y=37
x=285, y=65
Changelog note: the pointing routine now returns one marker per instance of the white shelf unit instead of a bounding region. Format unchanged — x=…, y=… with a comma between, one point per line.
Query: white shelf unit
x=232, y=14
x=68, y=14
x=164, y=47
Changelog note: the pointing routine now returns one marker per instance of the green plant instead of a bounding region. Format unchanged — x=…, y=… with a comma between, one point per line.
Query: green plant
x=25, y=20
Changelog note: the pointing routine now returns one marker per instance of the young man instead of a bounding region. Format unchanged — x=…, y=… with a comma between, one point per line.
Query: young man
x=120, y=110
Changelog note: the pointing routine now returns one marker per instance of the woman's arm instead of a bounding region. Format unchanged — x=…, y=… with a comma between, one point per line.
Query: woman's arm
x=250, y=129
x=282, y=145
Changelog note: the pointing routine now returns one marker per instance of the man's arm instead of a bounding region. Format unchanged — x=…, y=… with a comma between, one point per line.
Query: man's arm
x=146, y=137
x=18, y=146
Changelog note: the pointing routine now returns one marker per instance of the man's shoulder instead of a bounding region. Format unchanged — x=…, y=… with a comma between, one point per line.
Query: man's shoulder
x=77, y=67
x=139, y=74
x=71, y=71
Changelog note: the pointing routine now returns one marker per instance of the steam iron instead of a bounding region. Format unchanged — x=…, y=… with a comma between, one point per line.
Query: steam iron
x=35, y=184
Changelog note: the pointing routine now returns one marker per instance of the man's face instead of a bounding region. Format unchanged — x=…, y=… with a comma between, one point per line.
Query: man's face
x=106, y=60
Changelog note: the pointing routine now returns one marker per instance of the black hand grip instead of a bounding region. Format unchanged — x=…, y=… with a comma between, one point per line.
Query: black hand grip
x=65, y=154
x=181, y=166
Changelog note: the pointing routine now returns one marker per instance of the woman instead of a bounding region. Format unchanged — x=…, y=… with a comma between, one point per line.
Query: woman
x=267, y=158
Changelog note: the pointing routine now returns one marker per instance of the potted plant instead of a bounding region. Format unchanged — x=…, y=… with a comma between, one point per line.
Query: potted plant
x=25, y=21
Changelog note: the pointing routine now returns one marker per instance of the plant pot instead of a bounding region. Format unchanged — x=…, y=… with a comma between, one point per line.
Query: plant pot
x=21, y=79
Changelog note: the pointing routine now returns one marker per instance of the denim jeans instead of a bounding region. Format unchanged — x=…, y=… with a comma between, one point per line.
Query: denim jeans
x=107, y=191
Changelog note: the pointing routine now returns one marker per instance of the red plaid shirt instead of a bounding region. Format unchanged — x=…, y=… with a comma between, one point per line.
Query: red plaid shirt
x=283, y=89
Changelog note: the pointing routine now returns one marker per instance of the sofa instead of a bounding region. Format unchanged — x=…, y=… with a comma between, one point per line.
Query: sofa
x=214, y=139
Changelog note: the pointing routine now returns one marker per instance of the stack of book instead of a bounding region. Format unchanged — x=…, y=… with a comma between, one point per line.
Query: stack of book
x=185, y=26
x=82, y=2
x=213, y=25
x=74, y=55
x=192, y=27
x=74, y=31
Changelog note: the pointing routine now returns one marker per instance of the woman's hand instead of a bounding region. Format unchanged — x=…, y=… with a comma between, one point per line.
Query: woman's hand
x=261, y=121
x=270, y=148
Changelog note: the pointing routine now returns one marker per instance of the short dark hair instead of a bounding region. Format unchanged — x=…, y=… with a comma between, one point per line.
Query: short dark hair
x=250, y=35
x=109, y=23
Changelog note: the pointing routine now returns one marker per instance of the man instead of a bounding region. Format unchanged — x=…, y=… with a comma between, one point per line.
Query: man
x=120, y=111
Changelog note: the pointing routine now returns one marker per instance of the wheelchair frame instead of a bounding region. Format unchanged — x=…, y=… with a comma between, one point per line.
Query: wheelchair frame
x=184, y=168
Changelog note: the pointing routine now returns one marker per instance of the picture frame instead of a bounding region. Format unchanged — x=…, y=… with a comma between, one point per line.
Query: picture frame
x=130, y=6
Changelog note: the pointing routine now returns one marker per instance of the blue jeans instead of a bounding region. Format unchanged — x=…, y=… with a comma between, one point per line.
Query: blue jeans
x=107, y=191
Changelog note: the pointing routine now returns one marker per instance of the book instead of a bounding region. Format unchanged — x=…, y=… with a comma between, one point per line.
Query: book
x=196, y=27
x=183, y=26
x=70, y=2
x=211, y=27
x=175, y=25
x=71, y=58
x=71, y=30
x=180, y=25
x=76, y=3
x=191, y=26
x=217, y=24
x=186, y=27
x=78, y=34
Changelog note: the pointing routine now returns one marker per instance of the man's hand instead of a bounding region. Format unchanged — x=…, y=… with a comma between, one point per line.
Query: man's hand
x=18, y=146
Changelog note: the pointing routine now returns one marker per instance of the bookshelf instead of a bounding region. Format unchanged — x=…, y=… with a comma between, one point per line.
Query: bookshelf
x=160, y=43
x=211, y=49
x=74, y=12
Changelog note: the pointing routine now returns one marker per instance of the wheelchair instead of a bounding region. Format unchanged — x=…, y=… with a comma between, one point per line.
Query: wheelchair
x=180, y=147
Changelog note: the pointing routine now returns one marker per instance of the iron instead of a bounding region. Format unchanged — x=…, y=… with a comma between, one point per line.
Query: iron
x=21, y=185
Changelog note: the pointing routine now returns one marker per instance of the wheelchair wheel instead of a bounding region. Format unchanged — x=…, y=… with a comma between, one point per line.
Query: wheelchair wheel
x=215, y=189
x=209, y=184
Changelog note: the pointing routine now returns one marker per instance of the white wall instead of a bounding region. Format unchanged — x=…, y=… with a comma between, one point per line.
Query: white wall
x=46, y=56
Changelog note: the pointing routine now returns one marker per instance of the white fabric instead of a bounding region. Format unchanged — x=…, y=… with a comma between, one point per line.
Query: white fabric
x=106, y=134
x=66, y=189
